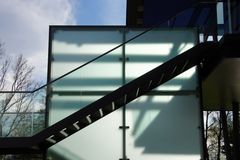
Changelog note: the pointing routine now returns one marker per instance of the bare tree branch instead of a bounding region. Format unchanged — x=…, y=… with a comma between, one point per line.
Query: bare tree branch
x=20, y=79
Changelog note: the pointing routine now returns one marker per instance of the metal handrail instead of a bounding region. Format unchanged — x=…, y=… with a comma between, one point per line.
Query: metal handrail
x=64, y=75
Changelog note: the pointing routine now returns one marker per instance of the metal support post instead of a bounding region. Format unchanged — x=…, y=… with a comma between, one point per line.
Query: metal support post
x=236, y=151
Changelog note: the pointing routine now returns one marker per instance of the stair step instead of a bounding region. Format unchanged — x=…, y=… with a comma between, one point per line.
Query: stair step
x=97, y=115
x=184, y=65
x=51, y=139
x=122, y=101
x=109, y=108
x=137, y=92
x=160, y=81
x=89, y=119
x=76, y=126
x=64, y=133
x=173, y=71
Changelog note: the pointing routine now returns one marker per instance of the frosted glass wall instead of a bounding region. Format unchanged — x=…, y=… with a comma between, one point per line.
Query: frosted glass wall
x=160, y=126
x=163, y=127
x=71, y=49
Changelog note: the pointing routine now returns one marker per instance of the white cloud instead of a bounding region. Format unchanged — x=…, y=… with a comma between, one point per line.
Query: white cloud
x=25, y=24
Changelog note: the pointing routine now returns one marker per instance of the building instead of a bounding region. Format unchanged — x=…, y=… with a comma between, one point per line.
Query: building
x=88, y=66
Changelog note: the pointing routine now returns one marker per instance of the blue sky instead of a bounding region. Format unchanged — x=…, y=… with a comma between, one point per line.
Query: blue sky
x=24, y=24
x=95, y=12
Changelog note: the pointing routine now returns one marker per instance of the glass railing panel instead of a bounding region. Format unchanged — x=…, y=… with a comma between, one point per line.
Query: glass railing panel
x=22, y=114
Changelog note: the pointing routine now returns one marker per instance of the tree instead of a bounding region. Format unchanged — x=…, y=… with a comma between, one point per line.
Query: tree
x=226, y=127
x=15, y=76
x=213, y=134
x=17, y=107
x=219, y=134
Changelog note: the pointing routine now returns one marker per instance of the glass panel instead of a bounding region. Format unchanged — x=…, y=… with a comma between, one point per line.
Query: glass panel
x=159, y=125
x=22, y=114
x=63, y=106
x=156, y=47
x=71, y=49
x=163, y=127
x=100, y=140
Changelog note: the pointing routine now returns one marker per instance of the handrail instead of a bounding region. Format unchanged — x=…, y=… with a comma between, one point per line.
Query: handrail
x=94, y=59
x=109, y=51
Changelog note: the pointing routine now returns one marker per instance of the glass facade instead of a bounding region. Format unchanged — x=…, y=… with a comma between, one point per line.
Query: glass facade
x=161, y=125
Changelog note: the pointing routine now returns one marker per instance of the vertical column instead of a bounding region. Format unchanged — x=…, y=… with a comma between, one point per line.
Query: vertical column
x=201, y=113
x=235, y=15
x=232, y=11
x=236, y=151
x=123, y=127
x=229, y=9
x=49, y=74
x=1, y=126
x=215, y=23
x=32, y=121
x=223, y=117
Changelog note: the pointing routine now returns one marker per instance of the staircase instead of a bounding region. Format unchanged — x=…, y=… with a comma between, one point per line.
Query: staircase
x=202, y=54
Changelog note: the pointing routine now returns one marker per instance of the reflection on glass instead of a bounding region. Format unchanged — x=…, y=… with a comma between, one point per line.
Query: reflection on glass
x=160, y=130
x=23, y=124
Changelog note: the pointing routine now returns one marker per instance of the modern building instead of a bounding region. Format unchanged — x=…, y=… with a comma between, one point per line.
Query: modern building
x=138, y=91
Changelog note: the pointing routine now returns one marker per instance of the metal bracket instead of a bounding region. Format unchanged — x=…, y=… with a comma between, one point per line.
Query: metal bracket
x=124, y=127
x=126, y=59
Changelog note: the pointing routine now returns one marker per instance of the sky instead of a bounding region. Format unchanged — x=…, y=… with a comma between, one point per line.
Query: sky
x=24, y=24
